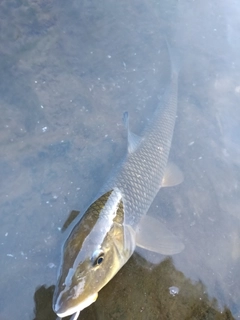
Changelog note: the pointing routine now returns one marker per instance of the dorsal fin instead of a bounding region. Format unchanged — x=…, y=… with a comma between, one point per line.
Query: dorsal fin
x=133, y=139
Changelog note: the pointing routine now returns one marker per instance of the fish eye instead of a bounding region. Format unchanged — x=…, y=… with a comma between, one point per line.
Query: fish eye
x=98, y=257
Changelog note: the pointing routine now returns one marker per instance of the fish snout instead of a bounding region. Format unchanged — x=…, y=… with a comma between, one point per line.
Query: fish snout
x=58, y=307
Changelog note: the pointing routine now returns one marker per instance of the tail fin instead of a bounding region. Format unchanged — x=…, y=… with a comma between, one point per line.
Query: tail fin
x=174, y=58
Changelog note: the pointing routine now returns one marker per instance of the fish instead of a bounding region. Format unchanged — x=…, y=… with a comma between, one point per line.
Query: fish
x=116, y=222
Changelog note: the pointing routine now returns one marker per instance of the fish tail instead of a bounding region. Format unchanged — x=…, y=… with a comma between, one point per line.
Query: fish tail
x=174, y=59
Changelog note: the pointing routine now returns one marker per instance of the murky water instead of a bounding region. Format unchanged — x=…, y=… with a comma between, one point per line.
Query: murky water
x=68, y=71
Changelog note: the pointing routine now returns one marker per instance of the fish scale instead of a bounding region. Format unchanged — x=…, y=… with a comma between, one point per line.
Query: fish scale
x=140, y=175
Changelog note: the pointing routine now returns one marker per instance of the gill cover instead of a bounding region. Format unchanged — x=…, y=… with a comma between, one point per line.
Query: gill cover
x=97, y=247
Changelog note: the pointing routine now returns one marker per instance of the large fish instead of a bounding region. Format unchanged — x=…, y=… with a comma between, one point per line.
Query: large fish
x=116, y=222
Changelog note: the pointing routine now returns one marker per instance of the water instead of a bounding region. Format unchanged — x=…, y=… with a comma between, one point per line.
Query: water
x=68, y=71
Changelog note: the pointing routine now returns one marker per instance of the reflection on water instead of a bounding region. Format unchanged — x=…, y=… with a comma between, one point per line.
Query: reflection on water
x=68, y=71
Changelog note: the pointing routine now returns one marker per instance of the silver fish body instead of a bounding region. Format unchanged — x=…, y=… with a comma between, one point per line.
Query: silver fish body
x=141, y=174
x=108, y=233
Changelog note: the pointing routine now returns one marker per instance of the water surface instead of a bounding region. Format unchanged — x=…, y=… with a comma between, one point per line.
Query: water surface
x=68, y=71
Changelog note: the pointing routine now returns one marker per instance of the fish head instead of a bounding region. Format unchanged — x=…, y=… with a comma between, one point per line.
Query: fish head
x=98, y=246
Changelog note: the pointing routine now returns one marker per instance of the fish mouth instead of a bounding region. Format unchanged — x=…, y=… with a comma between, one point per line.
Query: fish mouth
x=62, y=312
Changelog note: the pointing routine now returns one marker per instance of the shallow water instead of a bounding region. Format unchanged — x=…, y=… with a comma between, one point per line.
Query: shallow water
x=68, y=71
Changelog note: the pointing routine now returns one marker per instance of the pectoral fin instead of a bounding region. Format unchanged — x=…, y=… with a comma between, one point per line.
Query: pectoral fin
x=75, y=315
x=172, y=176
x=72, y=216
x=152, y=235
